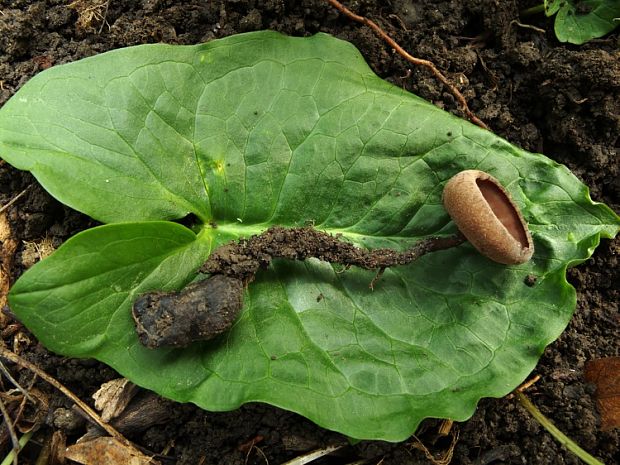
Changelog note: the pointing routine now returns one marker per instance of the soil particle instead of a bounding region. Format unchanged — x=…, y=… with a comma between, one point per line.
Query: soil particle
x=540, y=94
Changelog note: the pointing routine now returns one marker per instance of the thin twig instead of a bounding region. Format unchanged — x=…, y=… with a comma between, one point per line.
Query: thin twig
x=8, y=375
x=104, y=15
x=407, y=56
x=36, y=403
x=15, y=199
x=11, y=429
x=313, y=455
x=13, y=357
x=528, y=384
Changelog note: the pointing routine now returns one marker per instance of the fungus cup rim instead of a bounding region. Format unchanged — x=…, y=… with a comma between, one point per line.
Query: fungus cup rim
x=482, y=224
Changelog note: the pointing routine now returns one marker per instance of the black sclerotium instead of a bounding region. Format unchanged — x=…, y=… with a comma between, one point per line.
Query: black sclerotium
x=207, y=308
x=200, y=311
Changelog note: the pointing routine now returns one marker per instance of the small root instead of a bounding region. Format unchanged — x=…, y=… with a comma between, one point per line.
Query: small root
x=91, y=14
x=446, y=457
x=407, y=56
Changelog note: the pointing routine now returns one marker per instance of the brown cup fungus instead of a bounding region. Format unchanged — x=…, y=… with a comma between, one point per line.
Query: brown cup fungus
x=486, y=215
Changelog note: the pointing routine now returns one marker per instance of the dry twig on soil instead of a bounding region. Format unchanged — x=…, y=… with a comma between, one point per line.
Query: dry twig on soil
x=15, y=199
x=11, y=429
x=446, y=457
x=91, y=14
x=13, y=357
x=407, y=56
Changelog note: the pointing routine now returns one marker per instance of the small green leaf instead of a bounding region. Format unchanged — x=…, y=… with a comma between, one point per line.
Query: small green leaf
x=84, y=290
x=578, y=22
x=261, y=129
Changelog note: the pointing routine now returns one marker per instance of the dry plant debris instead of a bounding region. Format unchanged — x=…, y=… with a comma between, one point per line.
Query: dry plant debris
x=8, y=246
x=113, y=397
x=107, y=451
x=14, y=358
x=91, y=14
x=35, y=251
x=605, y=374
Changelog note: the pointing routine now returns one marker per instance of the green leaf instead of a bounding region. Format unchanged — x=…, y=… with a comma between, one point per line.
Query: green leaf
x=261, y=129
x=85, y=288
x=578, y=22
x=552, y=6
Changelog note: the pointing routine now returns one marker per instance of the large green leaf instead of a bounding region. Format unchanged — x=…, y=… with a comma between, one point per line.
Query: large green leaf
x=261, y=129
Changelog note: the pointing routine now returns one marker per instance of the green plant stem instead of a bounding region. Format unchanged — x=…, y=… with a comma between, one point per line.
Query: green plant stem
x=555, y=432
x=532, y=10
x=22, y=442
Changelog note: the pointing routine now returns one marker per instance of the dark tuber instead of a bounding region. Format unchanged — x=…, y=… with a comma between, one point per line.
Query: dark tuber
x=200, y=311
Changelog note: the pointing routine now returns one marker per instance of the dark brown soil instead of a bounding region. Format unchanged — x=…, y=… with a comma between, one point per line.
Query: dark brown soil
x=544, y=96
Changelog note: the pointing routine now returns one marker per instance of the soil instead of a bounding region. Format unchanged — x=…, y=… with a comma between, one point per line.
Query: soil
x=542, y=95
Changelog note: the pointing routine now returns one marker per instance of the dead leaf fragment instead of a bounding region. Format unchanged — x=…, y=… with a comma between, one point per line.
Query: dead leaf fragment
x=605, y=374
x=53, y=449
x=36, y=251
x=106, y=451
x=112, y=397
x=91, y=14
x=8, y=246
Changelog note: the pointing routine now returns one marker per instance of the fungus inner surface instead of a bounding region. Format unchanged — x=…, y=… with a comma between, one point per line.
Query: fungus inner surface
x=503, y=209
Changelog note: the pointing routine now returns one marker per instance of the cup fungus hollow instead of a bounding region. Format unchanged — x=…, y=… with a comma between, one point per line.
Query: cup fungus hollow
x=486, y=215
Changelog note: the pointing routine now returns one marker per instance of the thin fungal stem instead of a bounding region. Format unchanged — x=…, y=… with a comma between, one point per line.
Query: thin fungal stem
x=233, y=265
x=242, y=259
x=407, y=56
